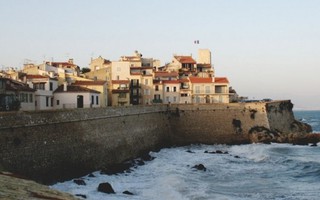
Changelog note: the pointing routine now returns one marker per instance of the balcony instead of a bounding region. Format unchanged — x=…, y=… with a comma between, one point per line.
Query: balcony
x=157, y=101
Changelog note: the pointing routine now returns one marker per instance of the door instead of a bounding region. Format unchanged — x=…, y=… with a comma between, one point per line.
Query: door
x=79, y=101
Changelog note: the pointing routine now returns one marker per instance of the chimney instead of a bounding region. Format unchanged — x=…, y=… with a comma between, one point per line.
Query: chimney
x=70, y=61
x=65, y=86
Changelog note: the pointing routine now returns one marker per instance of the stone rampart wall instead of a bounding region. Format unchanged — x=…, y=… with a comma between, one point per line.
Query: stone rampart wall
x=61, y=144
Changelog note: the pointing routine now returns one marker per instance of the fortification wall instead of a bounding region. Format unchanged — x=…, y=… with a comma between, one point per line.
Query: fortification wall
x=62, y=144
x=49, y=145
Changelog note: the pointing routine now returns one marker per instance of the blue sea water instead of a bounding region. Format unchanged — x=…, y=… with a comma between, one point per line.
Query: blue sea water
x=310, y=117
x=246, y=172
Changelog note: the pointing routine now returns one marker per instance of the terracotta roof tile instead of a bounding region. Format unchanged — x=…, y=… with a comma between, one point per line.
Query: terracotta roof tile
x=221, y=80
x=89, y=83
x=120, y=81
x=75, y=89
x=185, y=59
x=34, y=76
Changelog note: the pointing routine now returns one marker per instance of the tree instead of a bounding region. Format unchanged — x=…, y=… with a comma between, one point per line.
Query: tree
x=85, y=70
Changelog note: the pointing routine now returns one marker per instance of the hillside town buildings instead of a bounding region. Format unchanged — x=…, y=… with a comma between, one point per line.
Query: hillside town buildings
x=131, y=80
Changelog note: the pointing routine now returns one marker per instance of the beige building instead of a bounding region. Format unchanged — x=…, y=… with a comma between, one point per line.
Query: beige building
x=120, y=93
x=99, y=63
x=171, y=91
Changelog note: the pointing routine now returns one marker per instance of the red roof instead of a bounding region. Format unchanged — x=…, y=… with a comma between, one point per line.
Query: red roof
x=200, y=80
x=185, y=59
x=120, y=81
x=74, y=89
x=33, y=76
x=89, y=83
x=221, y=80
x=166, y=74
x=171, y=82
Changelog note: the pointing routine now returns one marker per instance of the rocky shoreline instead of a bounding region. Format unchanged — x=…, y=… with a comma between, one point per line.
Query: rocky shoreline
x=15, y=187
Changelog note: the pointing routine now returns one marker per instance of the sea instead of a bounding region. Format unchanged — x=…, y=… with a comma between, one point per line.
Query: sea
x=240, y=172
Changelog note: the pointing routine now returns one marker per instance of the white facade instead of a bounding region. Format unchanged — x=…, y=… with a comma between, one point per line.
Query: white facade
x=66, y=100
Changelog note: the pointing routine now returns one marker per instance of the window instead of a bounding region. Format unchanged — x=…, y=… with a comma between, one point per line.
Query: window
x=92, y=99
x=38, y=86
x=208, y=89
x=97, y=100
x=146, y=82
x=197, y=89
x=31, y=98
x=168, y=99
x=51, y=86
x=184, y=95
x=146, y=92
x=122, y=95
x=51, y=102
x=167, y=89
x=174, y=99
x=47, y=101
x=26, y=97
x=118, y=78
x=174, y=89
x=58, y=102
x=157, y=96
x=157, y=87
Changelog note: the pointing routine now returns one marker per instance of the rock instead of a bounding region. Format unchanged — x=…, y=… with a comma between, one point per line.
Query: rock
x=189, y=151
x=106, y=188
x=79, y=182
x=200, y=167
x=139, y=162
x=237, y=156
x=219, y=152
x=127, y=192
x=91, y=175
x=146, y=157
x=12, y=187
x=81, y=195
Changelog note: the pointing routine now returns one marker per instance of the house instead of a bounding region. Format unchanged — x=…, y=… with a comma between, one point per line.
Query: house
x=100, y=86
x=222, y=94
x=99, y=63
x=185, y=91
x=157, y=91
x=202, y=89
x=121, y=93
x=182, y=64
x=15, y=95
x=44, y=86
x=171, y=91
x=73, y=96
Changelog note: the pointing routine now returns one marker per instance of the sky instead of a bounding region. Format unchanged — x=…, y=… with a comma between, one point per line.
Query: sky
x=267, y=49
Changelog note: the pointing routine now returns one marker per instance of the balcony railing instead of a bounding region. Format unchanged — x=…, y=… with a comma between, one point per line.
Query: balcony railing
x=157, y=101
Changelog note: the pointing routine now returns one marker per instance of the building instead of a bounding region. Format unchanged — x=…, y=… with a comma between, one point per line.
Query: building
x=120, y=93
x=171, y=91
x=44, y=86
x=73, y=96
x=100, y=86
x=15, y=95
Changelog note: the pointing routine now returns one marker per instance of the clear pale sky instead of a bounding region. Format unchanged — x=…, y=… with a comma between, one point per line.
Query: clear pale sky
x=267, y=48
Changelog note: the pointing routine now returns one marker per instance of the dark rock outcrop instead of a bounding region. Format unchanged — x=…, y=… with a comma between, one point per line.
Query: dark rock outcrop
x=106, y=188
x=127, y=192
x=200, y=167
x=79, y=182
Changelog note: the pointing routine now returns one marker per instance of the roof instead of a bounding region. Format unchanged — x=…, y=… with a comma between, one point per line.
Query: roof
x=171, y=82
x=200, y=80
x=204, y=65
x=166, y=74
x=120, y=81
x=185, y=59
x=89, y=83
x=116, y=91
x=34, y=76
x=74, y=89
x=12, y=85
x=221, y=80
